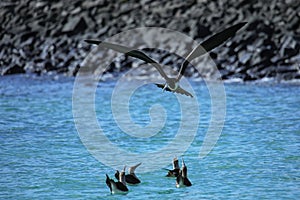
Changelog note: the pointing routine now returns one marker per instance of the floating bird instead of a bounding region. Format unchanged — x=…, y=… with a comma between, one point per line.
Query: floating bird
x=175, y=171
x=118, y=187
x=172, y=84
x=182, y=179
x=130, y=178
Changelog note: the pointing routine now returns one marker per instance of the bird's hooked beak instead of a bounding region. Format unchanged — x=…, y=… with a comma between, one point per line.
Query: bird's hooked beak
x=166, y=85
x=183, y=164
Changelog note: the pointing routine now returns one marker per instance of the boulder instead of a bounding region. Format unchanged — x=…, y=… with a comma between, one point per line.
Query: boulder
x=15, y=69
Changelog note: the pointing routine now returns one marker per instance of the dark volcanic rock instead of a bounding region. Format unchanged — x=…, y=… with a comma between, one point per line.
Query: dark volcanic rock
x=16, y=69
x=39, y=36
x=74, y=26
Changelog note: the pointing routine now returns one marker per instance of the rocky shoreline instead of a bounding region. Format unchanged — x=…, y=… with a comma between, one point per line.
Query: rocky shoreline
x=44, y=37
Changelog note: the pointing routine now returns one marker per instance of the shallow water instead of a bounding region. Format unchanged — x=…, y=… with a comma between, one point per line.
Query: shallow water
x=42, y=156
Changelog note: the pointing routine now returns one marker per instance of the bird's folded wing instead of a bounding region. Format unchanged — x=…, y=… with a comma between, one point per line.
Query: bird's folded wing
x=132, y=179
x=186, y=182
x=121, y=186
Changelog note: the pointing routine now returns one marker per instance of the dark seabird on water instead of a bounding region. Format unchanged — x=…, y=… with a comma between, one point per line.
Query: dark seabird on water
x=131, y=177
x=118, y=187
x=172, y=84
x=175, y=171
x=182, y=179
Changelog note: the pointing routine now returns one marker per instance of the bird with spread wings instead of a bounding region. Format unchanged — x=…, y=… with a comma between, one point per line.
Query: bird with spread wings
x=172, y=84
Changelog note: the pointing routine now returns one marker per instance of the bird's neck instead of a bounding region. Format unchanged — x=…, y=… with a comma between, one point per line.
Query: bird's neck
x=122, y=179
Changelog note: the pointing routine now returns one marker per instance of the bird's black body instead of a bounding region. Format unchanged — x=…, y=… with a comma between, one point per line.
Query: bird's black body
x=178, y=90
x=116, y=187
x=182, y=179
x=131, y=177
x=173, y=172
x=176, y=169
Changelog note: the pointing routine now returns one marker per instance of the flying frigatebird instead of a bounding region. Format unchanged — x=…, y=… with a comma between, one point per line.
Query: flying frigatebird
x=172, y=84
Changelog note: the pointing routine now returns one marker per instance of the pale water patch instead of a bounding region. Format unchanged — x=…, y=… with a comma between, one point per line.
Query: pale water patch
x=42, y=156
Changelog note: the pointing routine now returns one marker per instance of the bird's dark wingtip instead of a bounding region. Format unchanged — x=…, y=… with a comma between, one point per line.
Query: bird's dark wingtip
x=237, y=26
x=240, y=25
x=91, y=41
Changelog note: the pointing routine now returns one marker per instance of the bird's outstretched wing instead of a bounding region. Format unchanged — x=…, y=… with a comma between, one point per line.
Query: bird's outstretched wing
x=130, y=52
x=172, y=172
x=209, y=44
x=178, y=90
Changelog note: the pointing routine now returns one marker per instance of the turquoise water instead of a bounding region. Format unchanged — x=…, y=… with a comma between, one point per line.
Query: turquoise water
x=42, y=156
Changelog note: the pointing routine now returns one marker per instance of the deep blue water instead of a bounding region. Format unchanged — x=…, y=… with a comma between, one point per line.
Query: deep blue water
x=42, y=156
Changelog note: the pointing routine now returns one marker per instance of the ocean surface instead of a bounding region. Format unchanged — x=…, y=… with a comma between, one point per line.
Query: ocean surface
x=43, y=157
